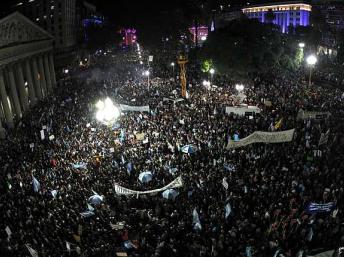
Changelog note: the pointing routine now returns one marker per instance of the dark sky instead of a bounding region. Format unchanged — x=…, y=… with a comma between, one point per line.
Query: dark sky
x=134, y=12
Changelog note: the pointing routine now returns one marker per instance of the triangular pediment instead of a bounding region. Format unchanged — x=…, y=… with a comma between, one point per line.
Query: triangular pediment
x=17, y=29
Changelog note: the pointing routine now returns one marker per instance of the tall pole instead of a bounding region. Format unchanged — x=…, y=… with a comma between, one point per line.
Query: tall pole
x=310, y=76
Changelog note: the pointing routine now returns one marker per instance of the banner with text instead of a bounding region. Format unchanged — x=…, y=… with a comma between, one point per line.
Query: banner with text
x=178, y=182
x=263, y=137
x=134, y=108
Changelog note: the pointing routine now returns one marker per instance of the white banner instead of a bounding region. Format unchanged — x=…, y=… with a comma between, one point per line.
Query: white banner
x=178, y=182
x=243, y=110
x=263, y=137
x=134, y=108
x=304, y=115
x=173, y=100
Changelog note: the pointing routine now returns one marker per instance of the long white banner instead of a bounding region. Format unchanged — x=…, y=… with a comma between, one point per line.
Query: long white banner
x=303, y=115
x=134, y=108
x=178, y=182
x=263, y=137
x=242, y=110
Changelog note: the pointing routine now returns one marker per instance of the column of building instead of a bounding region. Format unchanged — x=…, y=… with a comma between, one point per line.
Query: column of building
x=27, y=82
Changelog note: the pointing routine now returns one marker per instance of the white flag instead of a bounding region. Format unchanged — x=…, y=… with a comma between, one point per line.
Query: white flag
x=42, y=134
x=8, y=231
x=224, y=183
x=68, y=246
x=32, y=251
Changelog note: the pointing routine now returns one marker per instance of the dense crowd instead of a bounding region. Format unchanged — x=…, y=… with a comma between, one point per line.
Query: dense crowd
x=269, y=185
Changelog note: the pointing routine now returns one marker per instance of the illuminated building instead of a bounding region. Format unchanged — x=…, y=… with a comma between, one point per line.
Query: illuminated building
x=202, y=32
x=129, y=37
x=285, y=14
x=57, y=17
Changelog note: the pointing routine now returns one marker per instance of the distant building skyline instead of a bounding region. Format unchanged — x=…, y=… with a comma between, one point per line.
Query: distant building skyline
x=286, y=14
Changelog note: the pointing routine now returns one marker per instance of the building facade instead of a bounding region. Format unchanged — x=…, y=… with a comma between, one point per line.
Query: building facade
x=57, y=17
x=285, y=14
x=27, y=72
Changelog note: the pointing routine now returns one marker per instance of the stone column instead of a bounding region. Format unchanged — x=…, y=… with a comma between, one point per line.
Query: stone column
x=36, y=81
x=21, y=87
x=47, y=73
x=30, y=85
x=4, y=100
x=14, y=94
x=2, y=131
x=42, y=76
x=52, y=69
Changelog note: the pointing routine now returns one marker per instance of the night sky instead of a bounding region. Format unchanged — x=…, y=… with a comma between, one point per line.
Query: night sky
x=135, y=13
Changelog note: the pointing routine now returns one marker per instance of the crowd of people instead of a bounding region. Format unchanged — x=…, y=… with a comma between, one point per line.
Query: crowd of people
x=261, y=212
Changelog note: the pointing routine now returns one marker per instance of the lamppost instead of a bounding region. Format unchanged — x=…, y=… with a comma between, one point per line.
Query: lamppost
x=172, y=64
x=239, y=87
x=211, y=71
x=147, y=73
x=311, y=61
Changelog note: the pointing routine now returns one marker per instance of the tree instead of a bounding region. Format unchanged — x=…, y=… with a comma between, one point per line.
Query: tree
x=248, y=46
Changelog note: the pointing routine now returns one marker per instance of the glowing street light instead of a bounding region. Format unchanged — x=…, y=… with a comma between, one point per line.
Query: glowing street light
x=211, y=71
x=107, y=111
x=66, y=71
x=206, y=83
x=311, y=61
x=239, y=87
x=301, y=45
x=172, y=64
x=141, y=62
x=203, y=38
x=147, y=73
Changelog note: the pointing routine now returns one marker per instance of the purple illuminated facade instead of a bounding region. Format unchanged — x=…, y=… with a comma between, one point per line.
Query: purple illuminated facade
x=286, y=15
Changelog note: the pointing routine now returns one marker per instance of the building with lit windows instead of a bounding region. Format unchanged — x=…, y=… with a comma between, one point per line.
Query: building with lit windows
x=58, y=18
x=285, y=14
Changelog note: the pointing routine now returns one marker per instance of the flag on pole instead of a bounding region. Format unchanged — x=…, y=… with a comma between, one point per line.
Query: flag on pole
x=225, y=183
x=248, y=251
x=68, y=246
x=195, y=220
x=324, y=137
x=53, y=193
x=278, y=124
x=36, y=185
x=228, y=210
x=129, y=168
x=31, y=251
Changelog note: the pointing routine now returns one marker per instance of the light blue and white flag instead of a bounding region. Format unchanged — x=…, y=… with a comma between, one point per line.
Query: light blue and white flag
x=122, y=136
x=129, y=245
x=228, y=210
x=277, y=252
x=310, y=234
x=195, y=220
x=320, y=207
x=229, y=167
x=248, y=251
x=89, y=207
x=129, y=168
x=53, y=193
x=79, y=165
x=87, y=214
x=96, y=199
x=36, y=185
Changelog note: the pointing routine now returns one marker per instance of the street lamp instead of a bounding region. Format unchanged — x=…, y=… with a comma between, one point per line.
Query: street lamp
x=211, y=71
x=311, y=61
x=239, y=87
x=147, y=73
x=301, y=45
x=172, y=64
